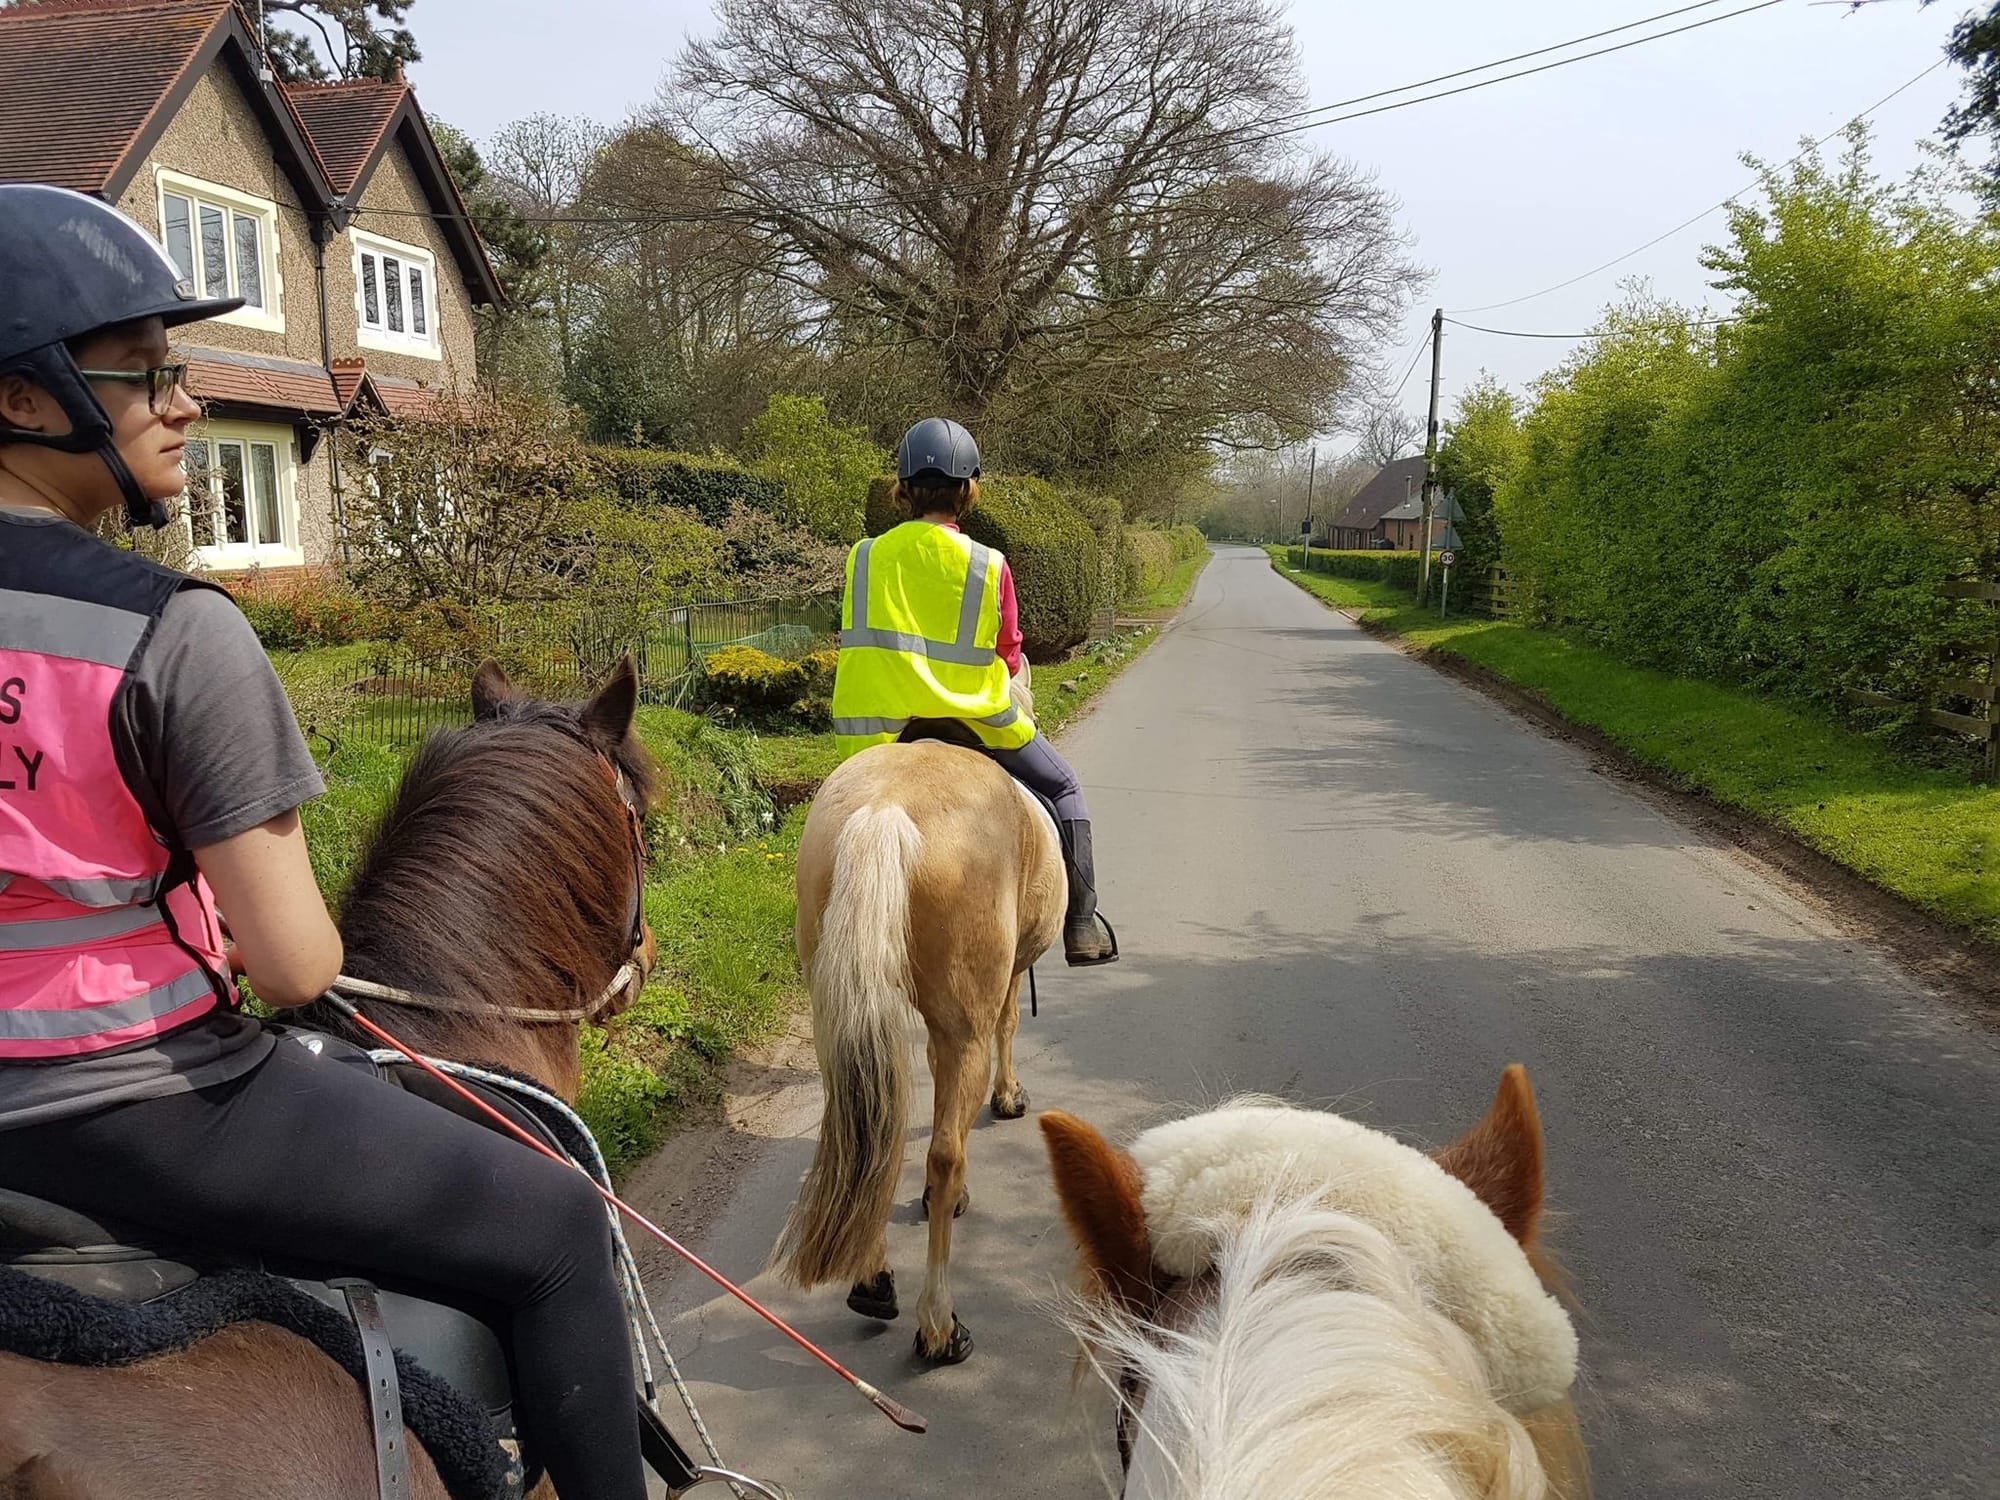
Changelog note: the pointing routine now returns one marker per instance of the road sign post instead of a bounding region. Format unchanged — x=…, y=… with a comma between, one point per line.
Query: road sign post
x=1445, y=559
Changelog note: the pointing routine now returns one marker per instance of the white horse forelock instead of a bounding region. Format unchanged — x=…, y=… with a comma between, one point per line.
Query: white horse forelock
x=1318, y=1370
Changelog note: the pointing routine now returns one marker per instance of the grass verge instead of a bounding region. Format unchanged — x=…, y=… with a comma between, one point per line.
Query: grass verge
x=1926, y=835
x=1174, y=588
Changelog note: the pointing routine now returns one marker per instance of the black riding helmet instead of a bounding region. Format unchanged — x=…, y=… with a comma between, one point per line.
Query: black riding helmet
x=70, y=266
x=937, y=448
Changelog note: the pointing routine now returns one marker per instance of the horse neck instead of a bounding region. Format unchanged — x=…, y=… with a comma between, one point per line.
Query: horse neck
x=1309, y=1364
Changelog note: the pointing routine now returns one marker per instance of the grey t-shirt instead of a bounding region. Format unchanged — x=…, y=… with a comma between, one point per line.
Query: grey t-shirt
x=208, y=720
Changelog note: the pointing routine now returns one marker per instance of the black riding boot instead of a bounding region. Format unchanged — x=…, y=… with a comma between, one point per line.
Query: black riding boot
x=1087, y=938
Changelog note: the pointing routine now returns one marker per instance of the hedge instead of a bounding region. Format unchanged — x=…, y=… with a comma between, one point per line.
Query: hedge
x=708, y=487
x=1052, y=549
x=1381, y=567
x=1188, y=543
x=1146, y=563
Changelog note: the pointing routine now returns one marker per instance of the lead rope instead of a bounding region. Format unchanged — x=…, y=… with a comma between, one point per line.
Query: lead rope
x=637, y=1305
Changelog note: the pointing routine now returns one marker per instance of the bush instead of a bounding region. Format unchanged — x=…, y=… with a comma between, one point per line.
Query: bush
x=1188, y=543
x=1146, y=563
x=751, y=681
x=824, y=468
x=1400, y=568
x=705, y=487
x=819, y=667
x=1052, y=550
x=303, y=613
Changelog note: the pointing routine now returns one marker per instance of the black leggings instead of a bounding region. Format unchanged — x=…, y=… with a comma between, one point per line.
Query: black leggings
x=318, y=1160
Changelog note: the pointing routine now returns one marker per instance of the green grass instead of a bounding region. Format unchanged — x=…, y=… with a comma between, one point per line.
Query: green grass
x=1925, y=834
x=1174, y=588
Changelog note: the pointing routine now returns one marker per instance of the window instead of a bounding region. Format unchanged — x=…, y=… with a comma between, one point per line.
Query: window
x=394, y=285
x=242, y=502
x=225, y=244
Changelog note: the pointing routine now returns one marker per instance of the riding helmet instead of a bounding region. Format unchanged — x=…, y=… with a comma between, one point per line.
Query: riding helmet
x=937, y=448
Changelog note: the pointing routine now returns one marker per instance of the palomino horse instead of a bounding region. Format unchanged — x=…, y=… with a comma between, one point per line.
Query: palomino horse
x=504, y=878
x=1293, y=1306
x=928, y=880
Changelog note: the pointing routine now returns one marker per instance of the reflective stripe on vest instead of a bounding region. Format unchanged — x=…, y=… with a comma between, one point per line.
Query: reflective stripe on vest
x=963, y=649
x=95, y=950
x=920, y=640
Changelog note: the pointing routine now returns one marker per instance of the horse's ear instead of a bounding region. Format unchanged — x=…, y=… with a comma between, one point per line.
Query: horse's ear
x=1098, y=1186
x=1500, y=1158
x=490, y=689
x=607, y=717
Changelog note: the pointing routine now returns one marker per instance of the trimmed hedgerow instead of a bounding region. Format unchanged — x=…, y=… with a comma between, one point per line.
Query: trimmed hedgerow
x=707, y=487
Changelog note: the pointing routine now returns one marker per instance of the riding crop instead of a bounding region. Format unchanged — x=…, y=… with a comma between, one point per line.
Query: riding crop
x=891, y=1408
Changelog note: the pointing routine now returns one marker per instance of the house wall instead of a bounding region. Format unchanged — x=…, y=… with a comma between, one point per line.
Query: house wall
x=393, y=206
x=217, y=137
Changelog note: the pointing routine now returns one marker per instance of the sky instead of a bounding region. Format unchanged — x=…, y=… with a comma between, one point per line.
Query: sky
x=1504, y=190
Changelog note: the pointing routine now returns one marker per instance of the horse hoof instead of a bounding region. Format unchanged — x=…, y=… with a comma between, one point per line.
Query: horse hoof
x=957, y=1349
x=964, y=1202
x=1011, y=1109
x=875, y=1298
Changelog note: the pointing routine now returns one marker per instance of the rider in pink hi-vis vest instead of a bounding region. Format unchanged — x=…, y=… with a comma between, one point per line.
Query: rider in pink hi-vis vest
x=107, y=935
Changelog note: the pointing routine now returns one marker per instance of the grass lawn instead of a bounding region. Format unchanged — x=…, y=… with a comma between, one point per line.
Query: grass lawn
x=1929, y=835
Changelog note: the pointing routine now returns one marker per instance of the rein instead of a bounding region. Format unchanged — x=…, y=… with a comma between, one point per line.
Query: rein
x=631, y=973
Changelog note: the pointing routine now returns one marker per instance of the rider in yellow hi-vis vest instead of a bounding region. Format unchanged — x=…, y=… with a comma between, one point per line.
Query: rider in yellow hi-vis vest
x=929, y=629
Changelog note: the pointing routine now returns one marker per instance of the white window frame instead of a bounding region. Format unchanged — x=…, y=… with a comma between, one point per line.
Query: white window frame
x=286, y=550
x=378, y=335
x=271, y=316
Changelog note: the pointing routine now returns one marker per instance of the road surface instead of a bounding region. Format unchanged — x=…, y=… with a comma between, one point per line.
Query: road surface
x=1343, y=878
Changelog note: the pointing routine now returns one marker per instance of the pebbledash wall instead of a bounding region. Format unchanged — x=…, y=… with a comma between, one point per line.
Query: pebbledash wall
x=216, y=141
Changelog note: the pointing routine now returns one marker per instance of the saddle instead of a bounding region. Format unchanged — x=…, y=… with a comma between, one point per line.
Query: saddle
x=958, y=732
x=86, y=1290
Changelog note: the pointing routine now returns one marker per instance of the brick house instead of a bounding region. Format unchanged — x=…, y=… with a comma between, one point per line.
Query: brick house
x=327, y=207
x=1388, y=512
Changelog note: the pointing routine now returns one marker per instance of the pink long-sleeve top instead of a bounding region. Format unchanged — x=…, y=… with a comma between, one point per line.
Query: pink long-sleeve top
x=1009, y=645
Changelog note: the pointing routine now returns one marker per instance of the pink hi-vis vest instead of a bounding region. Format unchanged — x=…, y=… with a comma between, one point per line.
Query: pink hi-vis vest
x=107, y=935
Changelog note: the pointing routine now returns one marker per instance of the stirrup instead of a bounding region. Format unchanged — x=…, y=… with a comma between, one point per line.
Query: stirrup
x=1094, y=963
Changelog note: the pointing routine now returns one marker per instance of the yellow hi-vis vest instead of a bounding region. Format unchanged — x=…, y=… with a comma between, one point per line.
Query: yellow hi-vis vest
x=919, y=627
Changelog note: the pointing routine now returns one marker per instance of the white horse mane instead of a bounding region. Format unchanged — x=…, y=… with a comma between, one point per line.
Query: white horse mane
x=1373, y=1330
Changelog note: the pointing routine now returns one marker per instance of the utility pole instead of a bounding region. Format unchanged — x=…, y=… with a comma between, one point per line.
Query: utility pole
x=1431, y=451
x=1312, y=468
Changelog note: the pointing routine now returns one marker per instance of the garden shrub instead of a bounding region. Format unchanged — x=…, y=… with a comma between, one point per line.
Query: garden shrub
x=705, y=487
x=823, y=467
x=301, y=613
x=750, y=681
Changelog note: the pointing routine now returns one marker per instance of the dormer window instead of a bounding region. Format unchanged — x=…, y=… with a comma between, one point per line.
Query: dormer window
x=225, y=244
x=395, y=294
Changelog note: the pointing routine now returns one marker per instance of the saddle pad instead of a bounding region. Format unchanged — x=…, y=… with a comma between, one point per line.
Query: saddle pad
x=47, y=1320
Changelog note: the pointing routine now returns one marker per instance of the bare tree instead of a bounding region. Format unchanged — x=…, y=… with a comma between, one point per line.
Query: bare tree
x=540, y=165
x=1384, y=432
x=1077, y=211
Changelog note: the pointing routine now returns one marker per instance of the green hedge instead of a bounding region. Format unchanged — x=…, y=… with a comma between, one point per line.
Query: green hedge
x=1146, y=563
x=1052, y=549
x=1399, y=568
x=706, y=487
x=1188, y=543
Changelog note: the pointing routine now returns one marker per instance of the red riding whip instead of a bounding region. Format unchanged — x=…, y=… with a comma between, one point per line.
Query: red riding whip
x=891, y=1408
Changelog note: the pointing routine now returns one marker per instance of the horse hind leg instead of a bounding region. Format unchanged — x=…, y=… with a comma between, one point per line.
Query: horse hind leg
x=1010, y=1100
x=960, y=1080
x=873, y=1296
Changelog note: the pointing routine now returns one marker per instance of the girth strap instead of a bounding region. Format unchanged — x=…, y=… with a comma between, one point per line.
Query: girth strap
x=385, y=1392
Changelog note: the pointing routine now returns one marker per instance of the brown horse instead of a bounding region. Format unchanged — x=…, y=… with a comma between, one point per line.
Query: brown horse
x=928, y=883
x=505, y=877
x=1291, y=1305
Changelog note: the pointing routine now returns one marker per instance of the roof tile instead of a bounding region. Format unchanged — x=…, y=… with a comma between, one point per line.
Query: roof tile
x=346, y=122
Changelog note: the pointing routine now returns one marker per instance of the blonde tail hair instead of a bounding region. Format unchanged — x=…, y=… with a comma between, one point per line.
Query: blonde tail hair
x=861, y=1008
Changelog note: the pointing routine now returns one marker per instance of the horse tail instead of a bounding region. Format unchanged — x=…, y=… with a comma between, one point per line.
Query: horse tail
x=861, y=1007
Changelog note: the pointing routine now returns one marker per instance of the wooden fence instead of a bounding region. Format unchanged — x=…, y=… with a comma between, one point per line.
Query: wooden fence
x=1968, y=675
x=1488, y=595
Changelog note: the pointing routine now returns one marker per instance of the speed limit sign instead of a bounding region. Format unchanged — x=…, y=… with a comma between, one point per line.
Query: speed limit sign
x=1447, y=557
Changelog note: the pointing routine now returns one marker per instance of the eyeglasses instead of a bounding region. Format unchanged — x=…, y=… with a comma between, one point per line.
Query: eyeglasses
x=161, y=382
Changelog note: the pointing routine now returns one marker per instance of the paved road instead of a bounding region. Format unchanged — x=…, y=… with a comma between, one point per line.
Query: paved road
x=1343, y=878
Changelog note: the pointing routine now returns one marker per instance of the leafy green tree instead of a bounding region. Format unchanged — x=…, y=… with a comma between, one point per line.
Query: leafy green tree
x=824, y=466
x=335, y=38
x=1975, y=46
x=1481, y=449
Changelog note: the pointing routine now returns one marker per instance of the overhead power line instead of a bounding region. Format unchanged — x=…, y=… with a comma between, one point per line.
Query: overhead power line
x=1600, y=333
x=1415, y=360
x=1274, y=128
x=1618, y=260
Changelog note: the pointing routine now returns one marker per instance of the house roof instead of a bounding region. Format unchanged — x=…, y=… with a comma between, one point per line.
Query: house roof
x=1393, y=484
x=352, y=125
x=87, y=87
x=288, y=385
x=90, y=85
x=348, y=122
